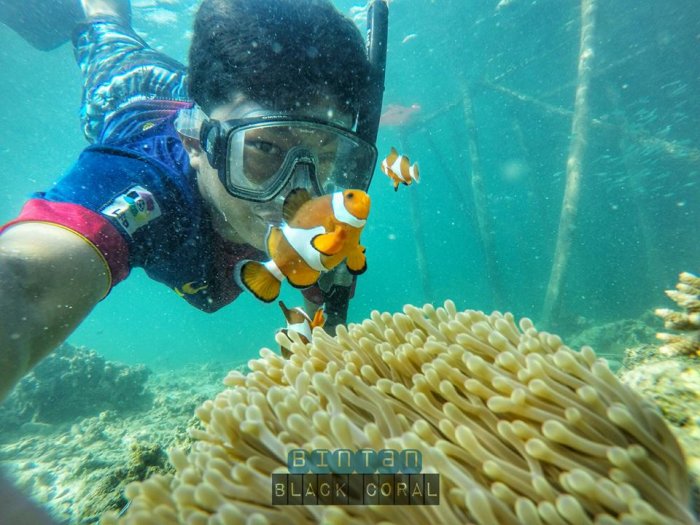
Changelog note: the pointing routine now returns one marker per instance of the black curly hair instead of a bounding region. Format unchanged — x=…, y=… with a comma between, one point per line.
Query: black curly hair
x=279, y=53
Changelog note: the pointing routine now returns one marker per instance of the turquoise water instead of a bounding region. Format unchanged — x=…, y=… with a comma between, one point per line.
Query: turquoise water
x=637, y=225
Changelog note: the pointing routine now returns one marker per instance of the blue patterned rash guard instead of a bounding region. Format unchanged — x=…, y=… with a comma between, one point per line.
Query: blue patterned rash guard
x=133, y=196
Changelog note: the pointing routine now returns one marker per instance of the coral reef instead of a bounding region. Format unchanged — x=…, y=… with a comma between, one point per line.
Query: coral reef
x=79, y=471
x=669, y=375
x=611, y=340
x=673, y=385
x=70, y=383
x=521, y=429
x=687, y=297
x=636, y=356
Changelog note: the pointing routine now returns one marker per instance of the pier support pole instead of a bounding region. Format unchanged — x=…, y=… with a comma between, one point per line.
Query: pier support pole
x=574, y=163
x=418, y=236
x=483, y=219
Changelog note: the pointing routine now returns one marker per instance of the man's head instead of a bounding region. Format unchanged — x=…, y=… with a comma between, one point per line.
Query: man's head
x=250, y=58
x=282, y=54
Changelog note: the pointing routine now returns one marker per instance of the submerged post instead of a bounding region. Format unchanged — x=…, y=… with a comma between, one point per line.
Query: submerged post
x=577, y=148
x=483, y=218
x=418, y=235
x=651, y=264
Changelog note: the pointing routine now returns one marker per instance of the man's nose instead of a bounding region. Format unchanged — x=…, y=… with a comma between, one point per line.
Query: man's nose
x=303, y=176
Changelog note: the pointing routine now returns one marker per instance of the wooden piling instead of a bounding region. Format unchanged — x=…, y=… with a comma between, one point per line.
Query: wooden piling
x=418, y=235
x=673, y=149
x=574, y=166
x=483, y=218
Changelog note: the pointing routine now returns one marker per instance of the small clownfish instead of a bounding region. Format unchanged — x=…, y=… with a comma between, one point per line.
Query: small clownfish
x=398, y=169
x=299, y=321
x=316, y=236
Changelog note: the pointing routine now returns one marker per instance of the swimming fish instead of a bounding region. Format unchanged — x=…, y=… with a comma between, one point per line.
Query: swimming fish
x=398, y=169
x=316, y=236
x=398, y=115
x=299, y=321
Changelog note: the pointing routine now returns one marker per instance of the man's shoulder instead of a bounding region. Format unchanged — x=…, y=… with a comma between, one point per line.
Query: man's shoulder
x=142, y=119
x=104, y=169
x=141, y=173
x=141, y=139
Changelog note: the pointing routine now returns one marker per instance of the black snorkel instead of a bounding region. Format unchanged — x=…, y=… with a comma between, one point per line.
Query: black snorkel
x=337, y=294
x=371, y=108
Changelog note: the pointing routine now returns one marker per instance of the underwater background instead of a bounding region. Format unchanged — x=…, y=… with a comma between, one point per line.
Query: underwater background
x=515, y=62
x=481, y=94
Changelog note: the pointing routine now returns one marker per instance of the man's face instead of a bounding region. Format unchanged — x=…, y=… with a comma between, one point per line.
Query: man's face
x=235, y=219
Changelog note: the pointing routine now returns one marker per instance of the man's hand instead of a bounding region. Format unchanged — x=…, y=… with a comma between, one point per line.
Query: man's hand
x=50, y=279
x=336, y=286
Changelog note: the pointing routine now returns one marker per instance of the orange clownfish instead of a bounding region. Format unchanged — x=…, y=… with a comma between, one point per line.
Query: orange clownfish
x=316, y=236
x=299, y=321
x=398, y=169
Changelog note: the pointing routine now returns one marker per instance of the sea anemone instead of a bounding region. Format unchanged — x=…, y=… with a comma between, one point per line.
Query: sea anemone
x=520, y=428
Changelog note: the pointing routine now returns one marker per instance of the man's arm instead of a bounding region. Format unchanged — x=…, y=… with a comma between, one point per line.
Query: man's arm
x=337, y=287
x=50, y=279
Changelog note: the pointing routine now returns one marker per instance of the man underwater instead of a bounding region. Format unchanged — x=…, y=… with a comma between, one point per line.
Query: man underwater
x=275, y=84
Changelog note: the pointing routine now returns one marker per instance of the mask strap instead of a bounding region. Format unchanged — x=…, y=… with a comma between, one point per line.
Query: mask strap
x=189, y=122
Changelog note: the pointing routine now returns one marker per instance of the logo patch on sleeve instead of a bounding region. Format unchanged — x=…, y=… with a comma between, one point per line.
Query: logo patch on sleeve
x=133, y=209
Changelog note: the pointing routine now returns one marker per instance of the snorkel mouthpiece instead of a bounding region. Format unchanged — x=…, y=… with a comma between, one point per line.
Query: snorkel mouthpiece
x=302, y=177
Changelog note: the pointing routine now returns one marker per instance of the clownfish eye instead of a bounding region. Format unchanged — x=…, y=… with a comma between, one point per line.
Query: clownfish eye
x=350, y=195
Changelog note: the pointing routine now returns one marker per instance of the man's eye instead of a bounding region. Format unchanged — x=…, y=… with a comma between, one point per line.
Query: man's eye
x=265, y=147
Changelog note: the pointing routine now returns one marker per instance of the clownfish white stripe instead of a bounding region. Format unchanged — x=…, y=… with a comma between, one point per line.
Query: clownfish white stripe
x=300, y=240
x=342, y=214
x=274, y=270
x=396, y=168
x=301, y=328
x=302, y=313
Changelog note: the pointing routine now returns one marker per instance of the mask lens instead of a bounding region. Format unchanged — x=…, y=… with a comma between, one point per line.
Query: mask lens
x=352, y=167
x=262, y=157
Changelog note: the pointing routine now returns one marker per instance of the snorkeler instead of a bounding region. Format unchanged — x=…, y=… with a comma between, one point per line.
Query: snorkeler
x=188, y=168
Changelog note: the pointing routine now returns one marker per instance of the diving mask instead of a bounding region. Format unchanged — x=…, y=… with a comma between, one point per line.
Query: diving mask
x=258, y=157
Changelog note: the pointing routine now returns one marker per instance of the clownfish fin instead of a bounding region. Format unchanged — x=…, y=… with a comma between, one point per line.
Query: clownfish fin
x=285, y=311
x=404, y=169
x=413, y=172
x=272, y=241
x=319, y=319
x=356, y=261
x=329, y=243
x=385, y=167
x=285, y=353
x=258, y=280
x=292, y=202
x=294, y=315
x=396, y=185
x=303, y=277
